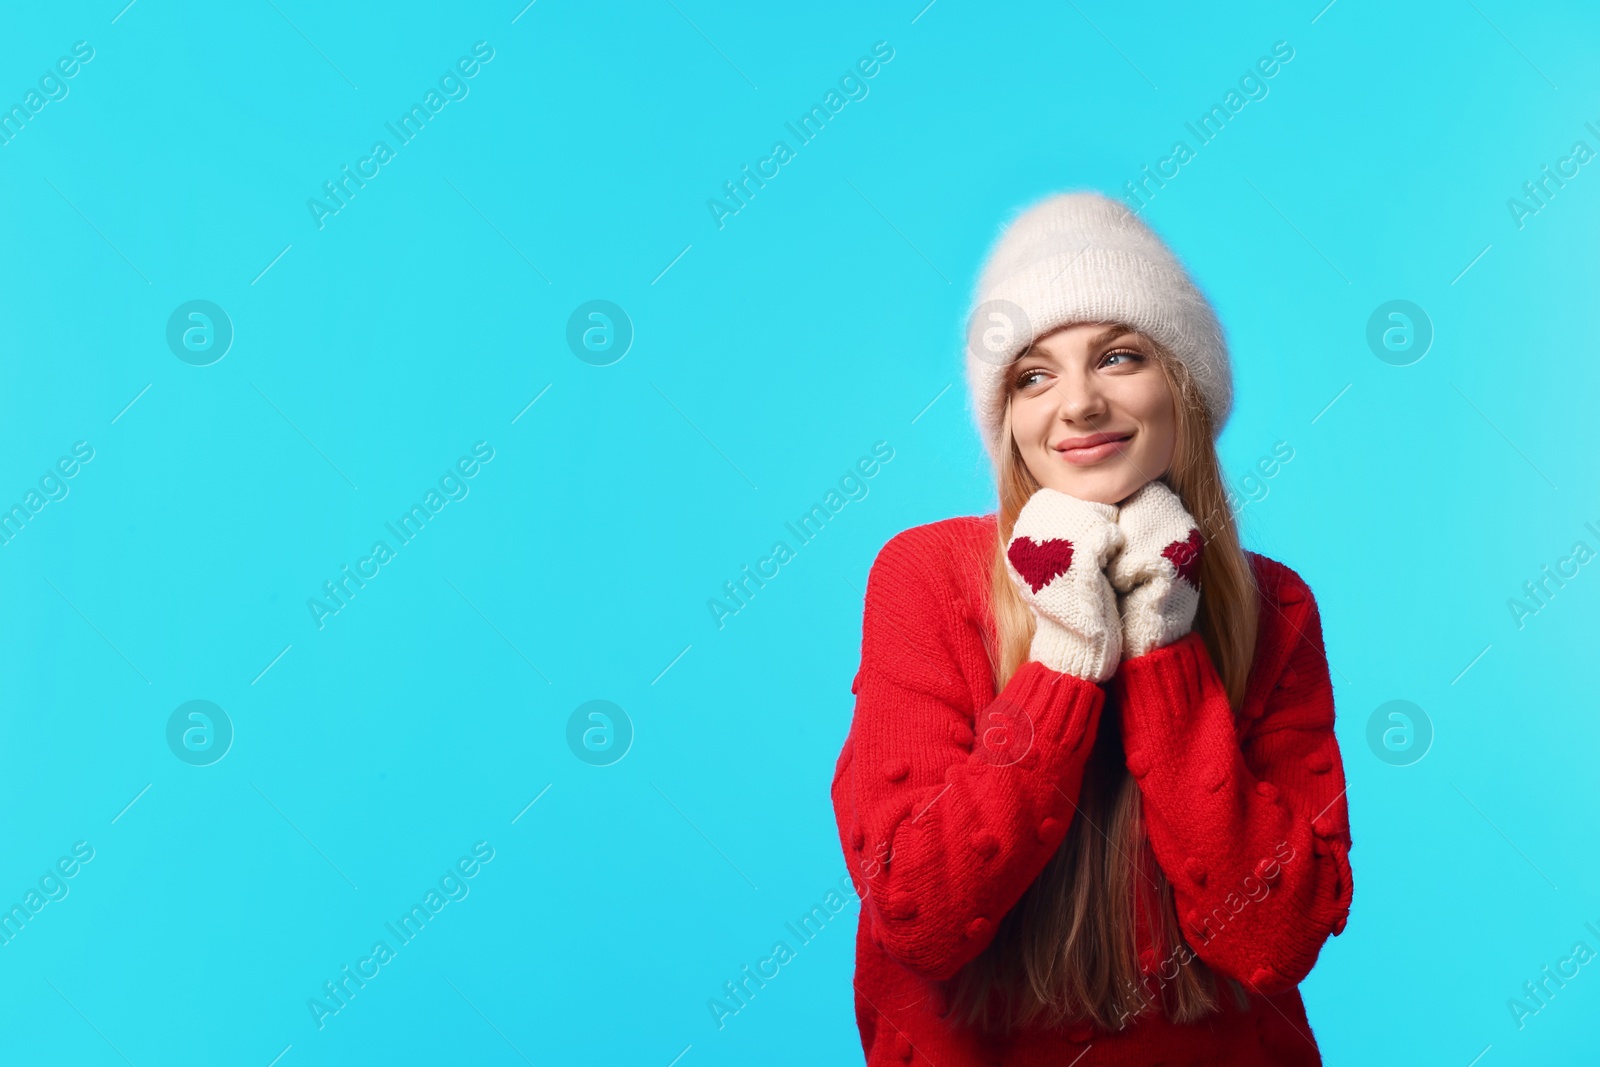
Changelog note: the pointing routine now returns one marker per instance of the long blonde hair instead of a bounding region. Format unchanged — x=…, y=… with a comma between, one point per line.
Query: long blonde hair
x=1066, y=951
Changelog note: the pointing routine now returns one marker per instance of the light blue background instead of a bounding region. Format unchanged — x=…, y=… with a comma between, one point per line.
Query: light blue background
x=825, y=316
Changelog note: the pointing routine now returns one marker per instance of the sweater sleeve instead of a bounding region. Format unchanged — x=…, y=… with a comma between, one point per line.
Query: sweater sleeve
x=950, y=799
x=1250, y=824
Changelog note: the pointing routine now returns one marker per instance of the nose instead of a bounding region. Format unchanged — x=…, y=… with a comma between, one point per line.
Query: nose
x=1081, y=401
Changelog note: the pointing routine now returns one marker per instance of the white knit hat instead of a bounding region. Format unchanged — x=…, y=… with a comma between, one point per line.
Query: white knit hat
x=1085, y=257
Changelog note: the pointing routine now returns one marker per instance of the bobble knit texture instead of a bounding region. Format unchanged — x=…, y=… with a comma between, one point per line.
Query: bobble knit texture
x=950, y=799
x=1084, y=257
x=1057, y=556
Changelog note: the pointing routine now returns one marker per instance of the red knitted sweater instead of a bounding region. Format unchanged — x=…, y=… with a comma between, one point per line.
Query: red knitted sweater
x=1245, y=815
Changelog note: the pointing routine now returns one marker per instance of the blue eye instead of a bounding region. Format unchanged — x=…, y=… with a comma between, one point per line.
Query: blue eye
x=1122, y=352
x=1026, y=378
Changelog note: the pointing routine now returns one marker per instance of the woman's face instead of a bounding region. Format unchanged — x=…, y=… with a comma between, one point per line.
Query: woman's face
x=1092, y=412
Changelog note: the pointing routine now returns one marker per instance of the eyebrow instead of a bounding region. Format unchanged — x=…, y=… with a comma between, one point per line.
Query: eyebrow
x=1106, y=336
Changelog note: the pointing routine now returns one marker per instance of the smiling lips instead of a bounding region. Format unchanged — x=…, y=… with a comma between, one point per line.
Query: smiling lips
x=1083, y=451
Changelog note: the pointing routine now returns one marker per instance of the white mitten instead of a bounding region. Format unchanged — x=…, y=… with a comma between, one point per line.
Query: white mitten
x=1157, y=572
x=1057, y=556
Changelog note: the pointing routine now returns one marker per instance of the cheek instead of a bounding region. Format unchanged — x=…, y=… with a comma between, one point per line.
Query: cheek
x=1152, y=407
x=1161, y=435
x=1029, y=421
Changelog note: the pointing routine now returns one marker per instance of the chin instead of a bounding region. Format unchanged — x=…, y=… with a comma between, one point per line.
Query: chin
x=1108, y=483
x=1105, y=487
x=1103, y=492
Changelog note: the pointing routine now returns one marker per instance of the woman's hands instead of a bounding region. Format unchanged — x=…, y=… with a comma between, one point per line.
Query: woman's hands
x=1157, y=573
x=1057, y=555
x=1105, y=583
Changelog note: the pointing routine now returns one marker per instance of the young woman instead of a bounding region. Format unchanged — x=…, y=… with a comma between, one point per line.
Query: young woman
x=1091, y=796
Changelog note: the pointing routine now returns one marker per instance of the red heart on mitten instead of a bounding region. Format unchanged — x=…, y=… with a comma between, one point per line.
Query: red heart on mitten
x=1040, y=562
x=1185, y=555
